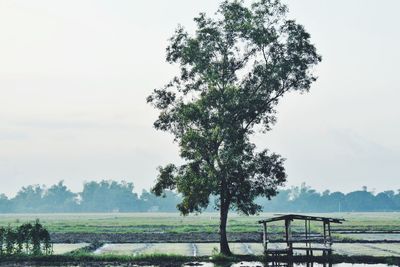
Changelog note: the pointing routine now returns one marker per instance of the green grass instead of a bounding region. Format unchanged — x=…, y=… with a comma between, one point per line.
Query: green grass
x=174, y=223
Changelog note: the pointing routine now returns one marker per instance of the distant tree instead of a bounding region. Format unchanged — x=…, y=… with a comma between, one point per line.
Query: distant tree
x=326, y=193
x=365, y=188
x=384, y=201
x=107, y=196
x=360, y=201
x=233, y=71
x=281, y=202
x=28, y=199
x=396, y=200
x=149, y=201
x=302, y=197
x=389, y=193
x=169, y=202
x=58, y=198
x=335, y=202
x=4, y=203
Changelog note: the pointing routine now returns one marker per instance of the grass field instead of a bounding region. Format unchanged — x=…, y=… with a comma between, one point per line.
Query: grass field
x=174, y=223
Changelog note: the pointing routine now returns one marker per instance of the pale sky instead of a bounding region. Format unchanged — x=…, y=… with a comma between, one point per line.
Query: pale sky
x=74, y=75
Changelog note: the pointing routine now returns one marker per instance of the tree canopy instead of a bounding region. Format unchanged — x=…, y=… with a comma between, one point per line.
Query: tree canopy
x=234, y=69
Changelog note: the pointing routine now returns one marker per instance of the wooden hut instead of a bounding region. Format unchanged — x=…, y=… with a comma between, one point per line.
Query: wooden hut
x=312, y=242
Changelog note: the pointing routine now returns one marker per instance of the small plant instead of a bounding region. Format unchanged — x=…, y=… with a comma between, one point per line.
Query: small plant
x=10, y=240
x=2, y=238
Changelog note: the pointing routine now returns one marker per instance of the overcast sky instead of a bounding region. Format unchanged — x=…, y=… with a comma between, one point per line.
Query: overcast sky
x=74, y=75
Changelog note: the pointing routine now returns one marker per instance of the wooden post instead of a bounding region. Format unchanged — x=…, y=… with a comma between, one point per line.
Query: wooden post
x=330, y=239
x=265, y=236
x=308, y=244
x=305, y=228
x=288, y=236
x=324, y=252
x=309, y=230
x=329, y=233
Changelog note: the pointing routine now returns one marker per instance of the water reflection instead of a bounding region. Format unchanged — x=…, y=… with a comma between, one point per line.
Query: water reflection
x=281, y=264
x=308, y=264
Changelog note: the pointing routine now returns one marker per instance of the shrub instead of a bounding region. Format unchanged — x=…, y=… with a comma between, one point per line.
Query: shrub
x=27, y=238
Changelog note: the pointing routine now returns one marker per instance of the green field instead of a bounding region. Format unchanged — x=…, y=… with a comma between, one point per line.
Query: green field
x=174, y=223
x=357, y=227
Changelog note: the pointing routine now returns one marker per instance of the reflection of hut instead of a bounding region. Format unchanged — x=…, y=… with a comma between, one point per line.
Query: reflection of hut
x=291, y=264
x=312, y=242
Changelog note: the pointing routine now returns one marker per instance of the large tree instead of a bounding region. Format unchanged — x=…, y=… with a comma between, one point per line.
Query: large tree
x=233, y=71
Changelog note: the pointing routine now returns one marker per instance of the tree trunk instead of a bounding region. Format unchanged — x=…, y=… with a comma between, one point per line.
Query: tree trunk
x=223, y=242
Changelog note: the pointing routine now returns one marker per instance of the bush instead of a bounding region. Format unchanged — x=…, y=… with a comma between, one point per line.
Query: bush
x=27, y=238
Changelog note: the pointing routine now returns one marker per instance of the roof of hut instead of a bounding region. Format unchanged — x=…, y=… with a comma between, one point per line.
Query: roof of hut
x=283, y=217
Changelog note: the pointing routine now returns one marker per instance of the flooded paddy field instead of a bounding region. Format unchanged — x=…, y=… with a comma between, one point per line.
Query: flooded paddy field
x=59, y=249
x=208, y=249
x=147, y=234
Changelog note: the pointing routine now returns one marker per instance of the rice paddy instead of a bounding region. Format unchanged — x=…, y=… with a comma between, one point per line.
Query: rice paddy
x=208, y=249
x=380, y=231
x=59, y=249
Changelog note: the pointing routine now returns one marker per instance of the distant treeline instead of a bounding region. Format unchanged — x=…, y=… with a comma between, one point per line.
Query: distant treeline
x=113, y=196
x=306, y=199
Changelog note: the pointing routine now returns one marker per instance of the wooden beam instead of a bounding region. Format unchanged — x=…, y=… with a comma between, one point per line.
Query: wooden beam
x=288, y=236
x=306, y=236
x=301, y=217
x=329, y=234
x=264, y=235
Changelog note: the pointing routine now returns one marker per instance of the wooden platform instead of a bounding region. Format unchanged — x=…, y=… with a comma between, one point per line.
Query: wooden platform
x=311, y=240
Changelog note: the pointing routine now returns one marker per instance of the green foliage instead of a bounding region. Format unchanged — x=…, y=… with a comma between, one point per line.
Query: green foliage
x=233, y=71
x=58, y=198
x=25, y=239
x=112, y=195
